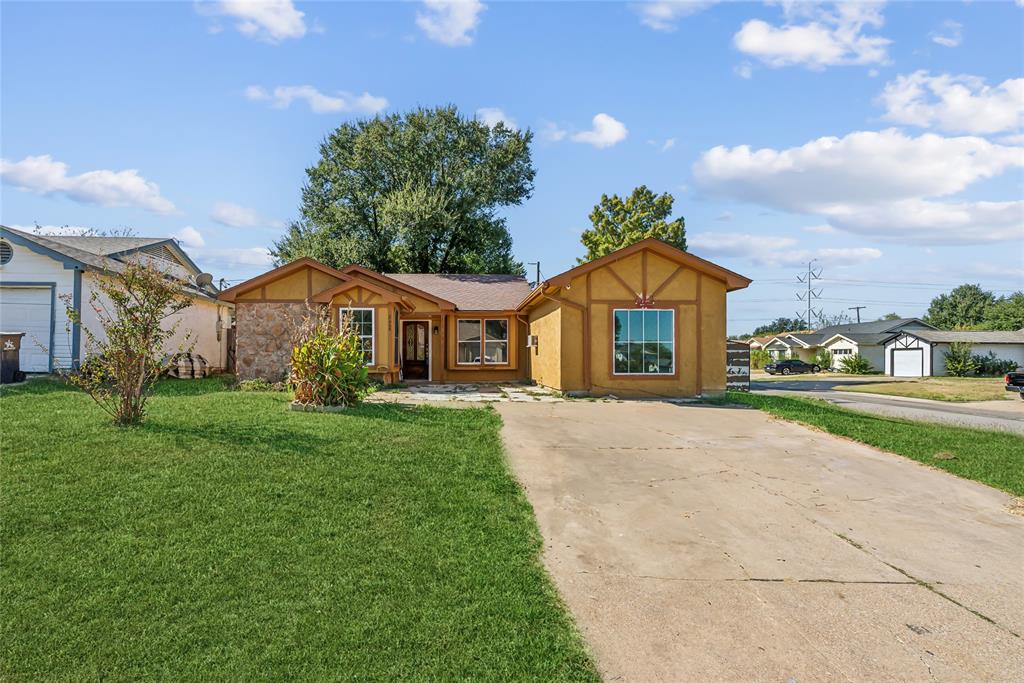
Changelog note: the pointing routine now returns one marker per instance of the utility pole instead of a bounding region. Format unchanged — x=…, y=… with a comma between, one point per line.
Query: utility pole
x=811, y=294
x=856, y=308
x=536, y=283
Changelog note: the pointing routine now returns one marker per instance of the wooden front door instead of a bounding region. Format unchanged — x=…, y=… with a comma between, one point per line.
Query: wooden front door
x=415, y=350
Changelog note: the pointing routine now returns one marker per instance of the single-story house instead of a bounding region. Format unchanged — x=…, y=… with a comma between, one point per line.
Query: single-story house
x=864, y=339
x=921, y=352
x=758, y=343
x=38, y=272
x=647, y=320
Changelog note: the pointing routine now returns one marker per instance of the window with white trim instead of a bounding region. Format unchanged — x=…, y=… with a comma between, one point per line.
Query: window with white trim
x=489, y=348
x=644, y=342
x=362, y=323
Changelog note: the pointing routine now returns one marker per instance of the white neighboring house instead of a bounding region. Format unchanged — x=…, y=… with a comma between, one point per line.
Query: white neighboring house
x=38, y=271
x=862, y=339
x=922, y=353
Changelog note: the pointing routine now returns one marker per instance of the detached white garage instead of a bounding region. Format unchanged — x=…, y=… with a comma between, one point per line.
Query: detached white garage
x=921, y=353
x=30, y=309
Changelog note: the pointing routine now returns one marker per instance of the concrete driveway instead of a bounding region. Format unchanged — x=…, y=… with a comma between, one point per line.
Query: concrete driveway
x=712, y=543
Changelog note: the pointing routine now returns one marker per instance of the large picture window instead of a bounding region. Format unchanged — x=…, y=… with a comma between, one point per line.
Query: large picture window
x=644, y=342
x=489, y=348
x=361, y=320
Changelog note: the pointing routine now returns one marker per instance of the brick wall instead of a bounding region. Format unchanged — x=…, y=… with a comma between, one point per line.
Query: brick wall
x=264, y=333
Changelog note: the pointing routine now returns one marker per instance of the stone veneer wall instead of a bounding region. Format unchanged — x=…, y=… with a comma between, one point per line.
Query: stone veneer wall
x=263, y=333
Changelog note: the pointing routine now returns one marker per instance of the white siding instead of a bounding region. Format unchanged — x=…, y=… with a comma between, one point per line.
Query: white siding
x=28, y=266
x=906, y=341
x=200, y=319
x=1014, y=352
x=841, y=345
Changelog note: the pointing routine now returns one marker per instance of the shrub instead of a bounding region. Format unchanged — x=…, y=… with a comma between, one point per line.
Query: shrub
x=759, y=358
x=823, y=358
x=856, y=364
x=959, y=361
x=991, y=365
x=126, y=356
x=260, y=385
x=328, y=367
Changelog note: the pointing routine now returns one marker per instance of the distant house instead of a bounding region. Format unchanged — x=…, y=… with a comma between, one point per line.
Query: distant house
x=922, y=352
x=864, y=339
x=37, y=272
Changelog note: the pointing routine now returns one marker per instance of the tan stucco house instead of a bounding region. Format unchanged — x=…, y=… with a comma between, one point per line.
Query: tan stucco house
x=647, y=320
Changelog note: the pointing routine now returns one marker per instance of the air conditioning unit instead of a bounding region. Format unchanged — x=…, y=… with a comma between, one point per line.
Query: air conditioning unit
x=531, y=341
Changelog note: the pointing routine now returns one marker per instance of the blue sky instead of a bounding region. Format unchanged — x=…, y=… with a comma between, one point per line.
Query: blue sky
x=883, y=140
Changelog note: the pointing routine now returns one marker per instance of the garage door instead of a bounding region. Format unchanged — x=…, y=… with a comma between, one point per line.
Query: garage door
x=28, y=310
x=907, y=362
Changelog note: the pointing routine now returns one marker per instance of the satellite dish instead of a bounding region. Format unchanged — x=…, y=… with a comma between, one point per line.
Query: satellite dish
x=204, y=279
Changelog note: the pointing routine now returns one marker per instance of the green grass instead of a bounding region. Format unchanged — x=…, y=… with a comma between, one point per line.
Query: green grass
x=953, y=389
x=230, y=539
x=991, y=457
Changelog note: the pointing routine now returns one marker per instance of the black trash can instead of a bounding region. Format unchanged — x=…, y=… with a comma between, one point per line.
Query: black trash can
x=10, y=365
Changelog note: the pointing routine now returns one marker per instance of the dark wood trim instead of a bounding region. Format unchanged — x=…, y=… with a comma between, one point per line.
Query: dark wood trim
x=643, y=273
x=632, y=302
x=672, y=276
x=676, y=355
x=620, y=280
x=700, y=337
x=309, y=283
x=588, y=382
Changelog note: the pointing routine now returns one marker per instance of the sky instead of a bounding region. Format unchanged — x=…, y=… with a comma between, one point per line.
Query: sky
x=884, y=141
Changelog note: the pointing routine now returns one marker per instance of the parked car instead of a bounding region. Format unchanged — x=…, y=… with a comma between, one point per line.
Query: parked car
x=790, y=367
x=1015, y=381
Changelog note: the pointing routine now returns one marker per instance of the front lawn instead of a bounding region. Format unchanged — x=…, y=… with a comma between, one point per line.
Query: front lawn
x=230, y=539
x=956, y=389
x=991, y=457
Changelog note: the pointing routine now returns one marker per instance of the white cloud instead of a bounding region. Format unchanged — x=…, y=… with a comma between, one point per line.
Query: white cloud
x=491, y=116
x=450, y=22
x=319, y=103
x=189, y=237
x=605, y=132
x=816, y=36
x=954, y=103
x=875, y=183
x=668, y=144
x=725, y=216
x=42, y=175
x=744, y=70
x=233, y=258
x=823, y=229
x=665, y=14
x=552, y=132
x=236, y=216
x=268, y=20
x=769, y=250
x=951, y=35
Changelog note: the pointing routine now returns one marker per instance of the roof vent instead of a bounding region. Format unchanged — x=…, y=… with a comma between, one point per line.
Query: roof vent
x=6, y=253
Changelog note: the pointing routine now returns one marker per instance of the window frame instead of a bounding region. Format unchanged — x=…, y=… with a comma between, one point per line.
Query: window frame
x=373, y=329
x=483, y=341
x=675, y=344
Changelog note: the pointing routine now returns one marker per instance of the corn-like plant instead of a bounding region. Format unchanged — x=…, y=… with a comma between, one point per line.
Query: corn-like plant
x=856, y=365
x=328, y=367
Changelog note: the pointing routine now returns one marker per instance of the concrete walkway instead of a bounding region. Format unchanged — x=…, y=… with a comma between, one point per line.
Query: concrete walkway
x=708, y=543
x=1003, y=415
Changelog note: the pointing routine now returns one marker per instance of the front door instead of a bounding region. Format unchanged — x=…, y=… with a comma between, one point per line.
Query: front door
x=415, y=353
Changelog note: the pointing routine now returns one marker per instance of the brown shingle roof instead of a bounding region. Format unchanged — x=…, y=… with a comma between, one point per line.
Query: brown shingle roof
x=470, y=292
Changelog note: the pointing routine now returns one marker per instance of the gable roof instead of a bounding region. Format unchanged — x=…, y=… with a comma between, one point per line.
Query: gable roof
x=470, y=292
x=394, y=282
x=109, y=253
x=231, y=293
x=970, y=336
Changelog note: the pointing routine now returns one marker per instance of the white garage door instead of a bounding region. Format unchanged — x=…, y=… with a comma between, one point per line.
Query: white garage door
x=907, y=362
x=27, y=309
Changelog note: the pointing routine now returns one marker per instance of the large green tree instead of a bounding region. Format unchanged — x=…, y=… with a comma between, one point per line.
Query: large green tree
x=779, y=325
x=1007, y=313
x=965, y=306
x=413, y=192
x=619, y=222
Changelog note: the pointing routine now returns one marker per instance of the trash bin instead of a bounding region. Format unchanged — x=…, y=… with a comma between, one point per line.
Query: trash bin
x=10, y=365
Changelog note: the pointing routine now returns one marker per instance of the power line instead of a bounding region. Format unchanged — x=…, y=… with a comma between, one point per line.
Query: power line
x=856, y=308
x=811, y=294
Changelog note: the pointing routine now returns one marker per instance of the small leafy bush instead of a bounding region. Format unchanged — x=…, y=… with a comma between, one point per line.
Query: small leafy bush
x=991, y=365
x=260, y=385
x=959, y=361
x=856, y=364
x=823, y=358
x=328, y=366
x=759, y=358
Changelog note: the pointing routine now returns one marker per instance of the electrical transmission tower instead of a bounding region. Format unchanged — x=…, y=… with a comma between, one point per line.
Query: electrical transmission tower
x=811, y=294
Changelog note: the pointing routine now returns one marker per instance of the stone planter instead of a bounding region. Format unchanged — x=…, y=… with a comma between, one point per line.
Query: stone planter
x=308, y=408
